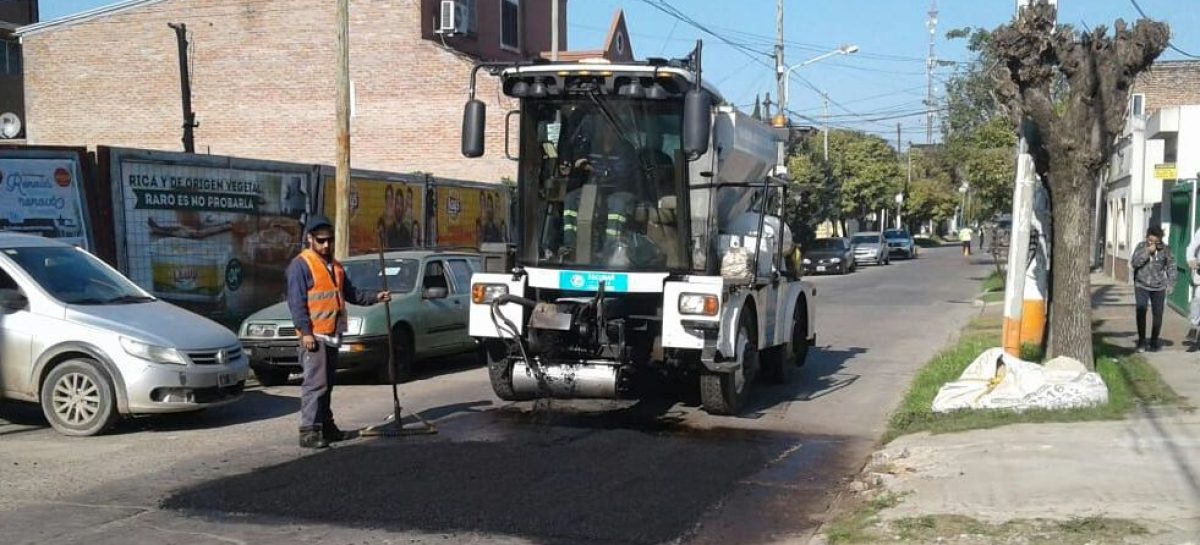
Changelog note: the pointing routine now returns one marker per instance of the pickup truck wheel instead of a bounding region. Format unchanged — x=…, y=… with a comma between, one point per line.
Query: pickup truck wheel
x=402, y=345
x=500, y=369
x=78, y=398
x=725, y=393
x=271, y=376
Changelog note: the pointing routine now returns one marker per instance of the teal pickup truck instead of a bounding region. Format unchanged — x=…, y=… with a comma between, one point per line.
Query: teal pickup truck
x=431, y=292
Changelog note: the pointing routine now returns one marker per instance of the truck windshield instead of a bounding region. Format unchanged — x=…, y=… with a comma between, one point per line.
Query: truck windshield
x=598, y=183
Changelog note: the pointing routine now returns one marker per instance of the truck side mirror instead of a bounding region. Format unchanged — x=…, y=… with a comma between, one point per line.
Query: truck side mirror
x=474, y=121
x=697, y=122
x=12, y=300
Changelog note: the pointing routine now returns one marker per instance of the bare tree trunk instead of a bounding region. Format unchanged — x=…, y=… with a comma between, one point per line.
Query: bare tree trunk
x=1071, y=311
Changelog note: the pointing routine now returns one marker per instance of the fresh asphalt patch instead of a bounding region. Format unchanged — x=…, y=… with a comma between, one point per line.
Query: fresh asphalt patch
x=561, y=480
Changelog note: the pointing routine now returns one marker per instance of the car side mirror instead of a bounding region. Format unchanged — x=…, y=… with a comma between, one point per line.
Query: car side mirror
x=435, y=293
x=11, y=299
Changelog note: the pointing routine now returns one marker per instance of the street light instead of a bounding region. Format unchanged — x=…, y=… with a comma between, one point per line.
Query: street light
x=848, y=49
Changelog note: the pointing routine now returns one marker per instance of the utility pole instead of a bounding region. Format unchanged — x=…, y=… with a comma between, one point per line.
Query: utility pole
x=780, y=119
x=185, y=84
x=554, y=30
x=825, y=119
x=341, y=221
x=930, y=62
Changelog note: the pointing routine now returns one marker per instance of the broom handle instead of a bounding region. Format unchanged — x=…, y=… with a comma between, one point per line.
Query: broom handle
x=387, y=310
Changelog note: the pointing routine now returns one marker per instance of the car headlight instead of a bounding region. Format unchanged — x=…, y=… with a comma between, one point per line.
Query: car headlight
x=807, y=261
x=150, y=352
x=700, y=304
x=835, y=260
x=482, y=294
x=354, y=325
x=260, y=330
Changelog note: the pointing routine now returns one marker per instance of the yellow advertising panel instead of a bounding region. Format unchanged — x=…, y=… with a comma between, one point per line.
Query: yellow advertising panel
x=393, y=211
x=1166, y=171
x=469, y=216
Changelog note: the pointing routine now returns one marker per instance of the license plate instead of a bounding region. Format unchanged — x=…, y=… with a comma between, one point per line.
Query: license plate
x=226, y=379
x=821, y=269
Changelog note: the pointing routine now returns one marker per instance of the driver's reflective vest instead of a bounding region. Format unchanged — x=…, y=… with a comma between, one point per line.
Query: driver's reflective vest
x=326, y=306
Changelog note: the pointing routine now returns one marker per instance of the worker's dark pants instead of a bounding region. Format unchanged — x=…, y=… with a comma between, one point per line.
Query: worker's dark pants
x=1155, y=300
x=317, y=388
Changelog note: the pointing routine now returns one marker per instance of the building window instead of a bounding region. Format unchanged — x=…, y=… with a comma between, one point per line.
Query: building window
x=10, y=58
x=1137, y=104
x=510, y=24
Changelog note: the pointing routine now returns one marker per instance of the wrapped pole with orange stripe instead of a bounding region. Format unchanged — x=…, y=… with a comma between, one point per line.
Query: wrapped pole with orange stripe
x=1018, y=251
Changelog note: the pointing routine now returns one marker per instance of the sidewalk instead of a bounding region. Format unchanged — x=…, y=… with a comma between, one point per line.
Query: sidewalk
x=1145, y=468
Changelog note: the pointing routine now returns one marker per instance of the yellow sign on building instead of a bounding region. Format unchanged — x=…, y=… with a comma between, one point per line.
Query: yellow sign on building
x=1165, y=171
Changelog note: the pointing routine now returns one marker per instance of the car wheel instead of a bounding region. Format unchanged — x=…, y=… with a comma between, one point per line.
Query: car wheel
x=78, y=398
x=725, y=393
x=271, y=376
x=500, y=369
x=402, y=357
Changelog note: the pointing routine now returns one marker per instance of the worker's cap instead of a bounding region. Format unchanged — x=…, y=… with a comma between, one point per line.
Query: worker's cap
x=317, y=221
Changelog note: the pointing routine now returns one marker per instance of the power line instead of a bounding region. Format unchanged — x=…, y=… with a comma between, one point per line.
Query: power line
x=1169, y=44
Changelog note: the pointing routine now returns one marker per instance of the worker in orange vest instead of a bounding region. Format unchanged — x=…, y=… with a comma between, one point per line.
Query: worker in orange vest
x=317, y=291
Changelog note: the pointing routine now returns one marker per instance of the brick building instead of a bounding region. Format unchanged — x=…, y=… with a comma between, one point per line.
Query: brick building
x=1156, y=151
x=263, y=76
x=13, y=15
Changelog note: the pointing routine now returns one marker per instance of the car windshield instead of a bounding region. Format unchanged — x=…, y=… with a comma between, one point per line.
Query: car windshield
x=865, y=239
x=894, y=234
x=602, y=179
x=76, y=277
x=828, y=244
x=365, y=275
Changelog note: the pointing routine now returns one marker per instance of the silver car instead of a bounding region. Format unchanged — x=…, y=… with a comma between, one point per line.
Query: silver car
x=870, y=247
x=90, y=346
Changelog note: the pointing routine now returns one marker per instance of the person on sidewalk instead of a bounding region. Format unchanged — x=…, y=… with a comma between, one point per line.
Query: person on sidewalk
x=1153, y=274
x=1193, y=261
x=964, y=236
x=317, y=291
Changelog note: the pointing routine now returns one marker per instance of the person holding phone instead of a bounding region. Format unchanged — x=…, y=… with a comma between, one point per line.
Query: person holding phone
x=317, y=291
x=1153, y=275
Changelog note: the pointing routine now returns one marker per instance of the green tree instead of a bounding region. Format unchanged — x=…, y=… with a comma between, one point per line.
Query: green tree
x=866, y=170
x=932, y=195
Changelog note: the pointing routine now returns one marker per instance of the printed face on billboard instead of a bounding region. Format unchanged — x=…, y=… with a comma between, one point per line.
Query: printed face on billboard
x=382, y=210
x=470, y=216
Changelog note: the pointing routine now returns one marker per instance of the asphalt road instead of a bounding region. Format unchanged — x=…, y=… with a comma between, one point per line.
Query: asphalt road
x=653, y=471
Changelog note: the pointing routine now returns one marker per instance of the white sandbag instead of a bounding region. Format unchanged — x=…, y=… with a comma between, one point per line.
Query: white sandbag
x=996, y=380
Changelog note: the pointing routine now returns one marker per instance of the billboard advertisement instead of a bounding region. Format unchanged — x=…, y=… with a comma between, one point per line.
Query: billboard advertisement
x=42, y=193
x=389, y=208
x=468, y=216
x=214, y=238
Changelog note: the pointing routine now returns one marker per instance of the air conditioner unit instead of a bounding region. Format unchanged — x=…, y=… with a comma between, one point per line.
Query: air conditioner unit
x=454, y=18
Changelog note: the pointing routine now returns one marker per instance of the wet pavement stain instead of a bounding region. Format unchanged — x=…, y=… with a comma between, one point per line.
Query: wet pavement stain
x=551, y=477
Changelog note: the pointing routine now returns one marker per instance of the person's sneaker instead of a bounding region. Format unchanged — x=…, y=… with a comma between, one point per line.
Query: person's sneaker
x=1140, y=347
x=1195, y=346
x=313, y=439
x=1154, y=345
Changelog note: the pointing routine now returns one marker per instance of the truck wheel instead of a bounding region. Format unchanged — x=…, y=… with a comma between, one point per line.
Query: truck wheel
x=402, y=345
x=78, y=398
x=725, y=393
x=271, y=376
x=500, y=368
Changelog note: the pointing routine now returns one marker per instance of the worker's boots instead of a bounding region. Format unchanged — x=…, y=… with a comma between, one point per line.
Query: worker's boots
x=313, y=439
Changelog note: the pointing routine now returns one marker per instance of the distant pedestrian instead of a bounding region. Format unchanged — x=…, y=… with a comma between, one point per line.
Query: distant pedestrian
x=1153, y=274
x=982, y=233
x=1193, y=261
x=317, y=291
x=964, y=236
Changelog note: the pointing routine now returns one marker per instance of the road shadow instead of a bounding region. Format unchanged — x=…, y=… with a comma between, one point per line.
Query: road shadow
x=822, y=375
x=20, y=417
x=254, y=406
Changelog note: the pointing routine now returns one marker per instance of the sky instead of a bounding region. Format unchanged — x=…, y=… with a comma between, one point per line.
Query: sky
x=882, y=85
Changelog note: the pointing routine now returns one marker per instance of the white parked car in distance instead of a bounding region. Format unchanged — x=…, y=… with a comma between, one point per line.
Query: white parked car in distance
x=90, y=346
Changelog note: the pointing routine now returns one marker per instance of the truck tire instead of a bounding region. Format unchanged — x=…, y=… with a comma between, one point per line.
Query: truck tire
x=78, y=398
x=500, y=368
x=725, y=393
x=271, y=376
x=778, y=361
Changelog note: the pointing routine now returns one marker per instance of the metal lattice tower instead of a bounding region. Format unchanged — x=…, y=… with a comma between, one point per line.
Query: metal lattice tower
x=930, y=63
